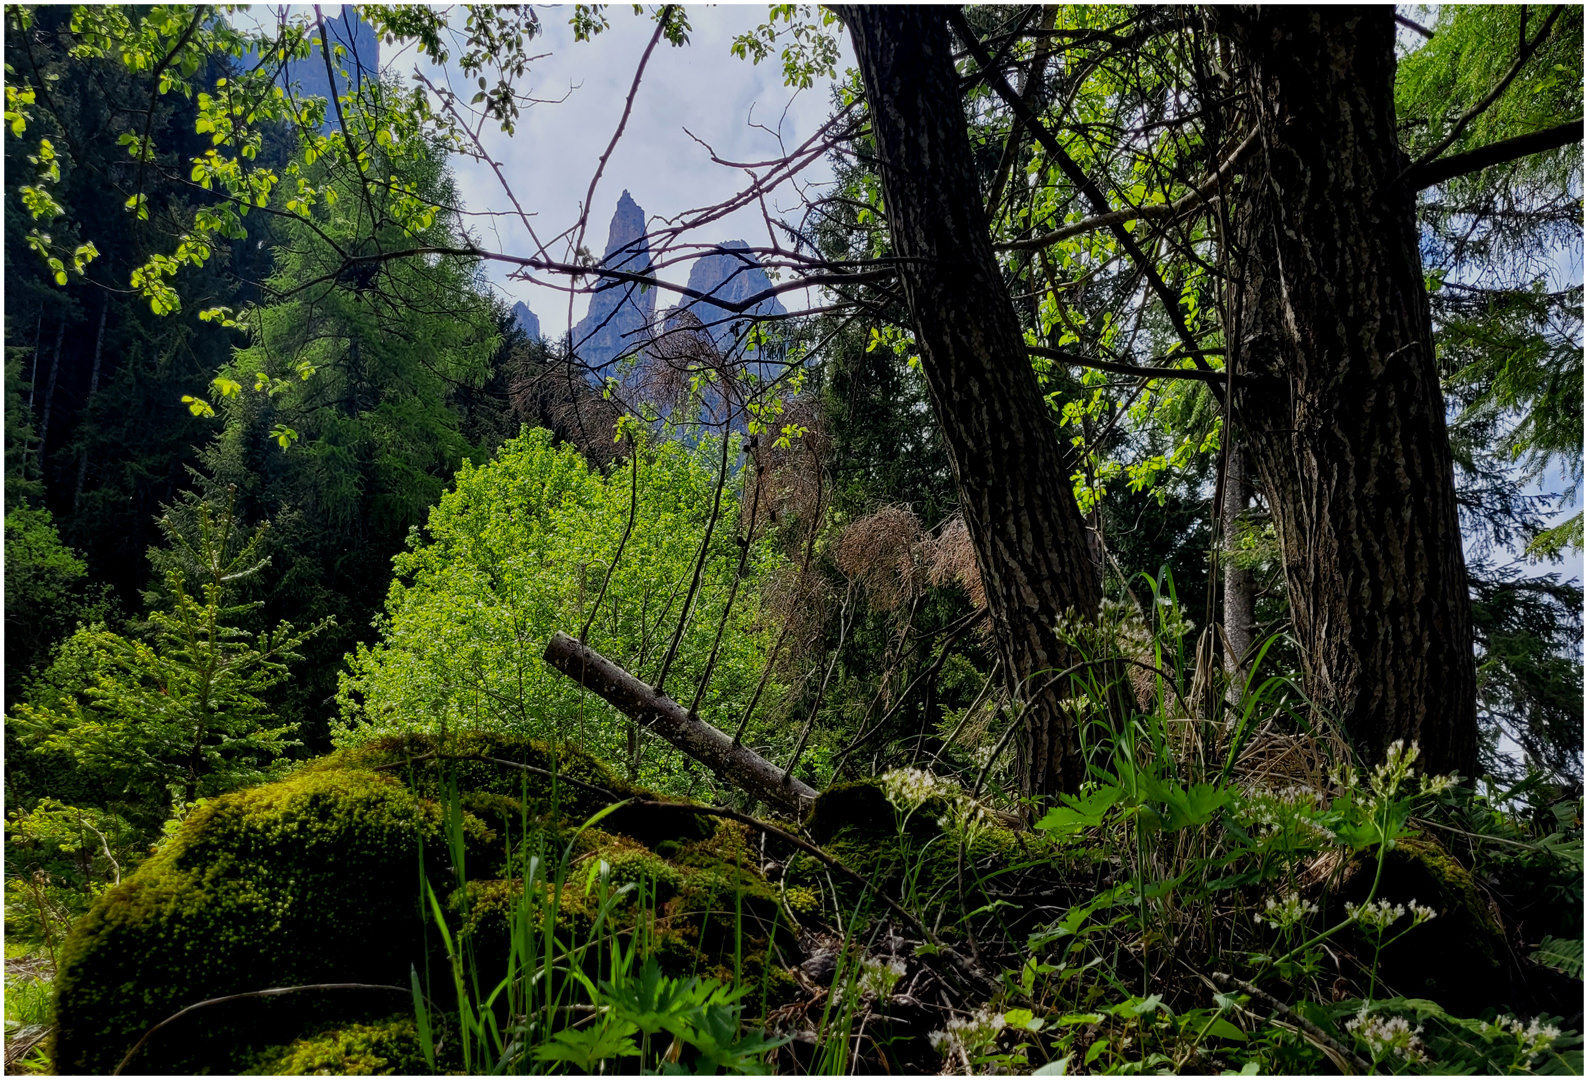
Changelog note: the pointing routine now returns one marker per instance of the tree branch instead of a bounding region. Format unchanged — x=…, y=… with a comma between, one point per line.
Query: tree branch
x=1200, y=375
x=1085, y=184
x=1413, y=25
x=1203, y=191
x=1497, y=153
x=737, y=764
x=1523, y=55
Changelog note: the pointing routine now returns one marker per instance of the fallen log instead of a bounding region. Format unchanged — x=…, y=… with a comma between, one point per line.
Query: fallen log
x=734, y=762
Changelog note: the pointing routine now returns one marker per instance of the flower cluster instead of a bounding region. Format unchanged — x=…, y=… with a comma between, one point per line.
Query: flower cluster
x=1284, y=913
x=1269, y=811
x=970, y=1034
x=1533, y=1039
x=907, y=789
x=1381, y=914
x=1385, y=779
x=1387, y=1035
x=879, y=977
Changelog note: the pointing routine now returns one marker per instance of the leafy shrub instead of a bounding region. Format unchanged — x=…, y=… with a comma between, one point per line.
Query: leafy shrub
x=521, y=549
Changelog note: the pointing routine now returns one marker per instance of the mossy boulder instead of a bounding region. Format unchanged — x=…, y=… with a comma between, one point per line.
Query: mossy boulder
x=385, y=1048
x=313, y=879
x=317, y=879
x=1458, y=958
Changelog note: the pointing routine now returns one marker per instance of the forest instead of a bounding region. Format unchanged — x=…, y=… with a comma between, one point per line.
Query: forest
x=1092, y=588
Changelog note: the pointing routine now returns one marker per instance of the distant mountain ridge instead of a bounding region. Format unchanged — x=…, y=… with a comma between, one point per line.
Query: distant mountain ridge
x=361, y=59
x=526, y=320
x=622, y=315
x=732, y=275
x=618, y=321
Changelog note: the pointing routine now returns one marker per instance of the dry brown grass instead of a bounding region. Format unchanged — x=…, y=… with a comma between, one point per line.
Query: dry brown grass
x=787, y=480
x=878, y=552
x=950, y=559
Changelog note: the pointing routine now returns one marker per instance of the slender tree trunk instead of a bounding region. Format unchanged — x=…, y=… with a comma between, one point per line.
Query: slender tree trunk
x=93, y=388
x=1240, y=617
x=49, y=393
x=1342, y=410
x=1030, y=540
x=33, y=380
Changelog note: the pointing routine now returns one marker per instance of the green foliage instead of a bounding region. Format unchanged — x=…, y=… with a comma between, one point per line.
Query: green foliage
x=46, y=592
x=520, y=549
x=365, y=380
x=180, y=715
x=1529, y=631
x=1466, y=59
x=1558, y=953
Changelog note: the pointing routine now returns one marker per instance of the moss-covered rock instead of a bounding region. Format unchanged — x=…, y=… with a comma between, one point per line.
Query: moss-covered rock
x=1458, y=957
x=317, y=879
x=385, y=1048
x=314, y=879
x=430, y=768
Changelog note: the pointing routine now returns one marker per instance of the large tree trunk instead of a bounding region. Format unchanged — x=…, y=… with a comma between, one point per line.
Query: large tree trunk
x=1014, y=488
x=1342, y=410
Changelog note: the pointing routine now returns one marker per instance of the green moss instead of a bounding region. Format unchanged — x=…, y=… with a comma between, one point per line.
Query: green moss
x=310, y=880
x=1458, y=957
x=315, y=879
x=805, y=902
x=387, y=1048
x=412, y=758
x=631, y=862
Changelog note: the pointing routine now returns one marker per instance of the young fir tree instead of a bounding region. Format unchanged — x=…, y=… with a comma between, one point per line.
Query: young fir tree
x=180, y=714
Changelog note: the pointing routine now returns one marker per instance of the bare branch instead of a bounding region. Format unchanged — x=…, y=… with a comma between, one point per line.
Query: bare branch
x=738, y=764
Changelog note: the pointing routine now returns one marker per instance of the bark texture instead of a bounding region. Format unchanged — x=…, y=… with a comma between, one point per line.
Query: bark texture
x=1014, y=487
x=737, y=764
x=1341, y=408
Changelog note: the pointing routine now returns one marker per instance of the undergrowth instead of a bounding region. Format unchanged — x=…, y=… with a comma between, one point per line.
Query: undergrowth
x=1228, y=892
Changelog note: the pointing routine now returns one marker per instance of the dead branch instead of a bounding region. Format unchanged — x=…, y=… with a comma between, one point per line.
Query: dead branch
x=736, y=763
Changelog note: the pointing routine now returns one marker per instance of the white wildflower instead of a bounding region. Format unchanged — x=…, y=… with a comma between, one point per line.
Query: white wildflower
x=1387, y=1035
x=1379, y=914
x=1533, y=1039
x=879, y=977
x=1421, y=913
x=1284, y=913
x=1435, y=785
x=907, y=789
x=970, y=1033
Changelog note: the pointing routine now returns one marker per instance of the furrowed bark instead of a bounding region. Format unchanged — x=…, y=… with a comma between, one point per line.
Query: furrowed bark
x=1030, y=541
x=736, y=763
x=1340, y=404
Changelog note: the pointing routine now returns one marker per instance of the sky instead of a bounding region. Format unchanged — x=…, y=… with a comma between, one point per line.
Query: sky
x=556, y=147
